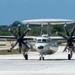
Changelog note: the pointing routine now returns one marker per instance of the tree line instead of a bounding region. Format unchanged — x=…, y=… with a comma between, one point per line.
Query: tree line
x=35, y=29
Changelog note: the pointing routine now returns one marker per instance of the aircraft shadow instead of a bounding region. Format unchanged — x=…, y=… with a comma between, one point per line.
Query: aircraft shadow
x=40, y=60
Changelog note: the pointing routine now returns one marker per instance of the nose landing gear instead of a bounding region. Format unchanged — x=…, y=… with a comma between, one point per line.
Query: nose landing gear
x=41, y=57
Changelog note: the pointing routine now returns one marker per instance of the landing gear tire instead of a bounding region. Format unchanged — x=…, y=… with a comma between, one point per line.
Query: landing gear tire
x=26, y=56
x=41, y=58
x=69, y=57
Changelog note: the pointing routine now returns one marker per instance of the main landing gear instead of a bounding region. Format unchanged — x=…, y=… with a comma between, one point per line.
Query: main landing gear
x=25, y=56
x=70, y=54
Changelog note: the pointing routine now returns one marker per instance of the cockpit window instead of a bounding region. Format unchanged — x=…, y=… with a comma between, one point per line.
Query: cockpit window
x=39, y=41
x=43, y=41
x=48, y=40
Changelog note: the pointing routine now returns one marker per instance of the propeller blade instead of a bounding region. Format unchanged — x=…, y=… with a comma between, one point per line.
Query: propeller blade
x=73, y=37
x=12, y=33
x=72, y=33
x=63, y=36
x=13, y=46
x=25, y=44
x=25, y=33
x=73, y=40
x=65, y=48
x=67, y=33
x=19, y=30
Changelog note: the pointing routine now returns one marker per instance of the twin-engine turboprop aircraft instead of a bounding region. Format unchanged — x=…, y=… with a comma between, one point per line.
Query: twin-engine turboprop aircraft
x=44, y=44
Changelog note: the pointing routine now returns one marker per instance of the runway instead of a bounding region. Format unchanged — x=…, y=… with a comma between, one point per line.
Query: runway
x=56, y=64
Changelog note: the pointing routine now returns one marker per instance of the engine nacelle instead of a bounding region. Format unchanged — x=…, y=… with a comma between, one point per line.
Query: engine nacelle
x=24, y=48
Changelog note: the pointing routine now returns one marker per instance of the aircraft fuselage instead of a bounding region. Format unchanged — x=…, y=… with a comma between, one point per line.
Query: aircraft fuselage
x=46, y=46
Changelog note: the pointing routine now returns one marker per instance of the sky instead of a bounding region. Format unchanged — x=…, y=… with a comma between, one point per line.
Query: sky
x=19, y=10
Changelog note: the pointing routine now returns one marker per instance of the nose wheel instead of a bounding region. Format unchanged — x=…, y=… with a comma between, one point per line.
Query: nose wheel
x=41, y=57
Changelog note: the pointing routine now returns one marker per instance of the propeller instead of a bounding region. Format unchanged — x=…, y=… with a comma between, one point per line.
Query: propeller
x=70, y=39
x=20, y=38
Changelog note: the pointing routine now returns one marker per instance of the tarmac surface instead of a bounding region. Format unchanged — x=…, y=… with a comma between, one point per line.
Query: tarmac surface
x=56, y=64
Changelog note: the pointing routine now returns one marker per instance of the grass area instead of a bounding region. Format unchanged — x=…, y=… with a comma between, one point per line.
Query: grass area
x=2, y=45
x=4, y=52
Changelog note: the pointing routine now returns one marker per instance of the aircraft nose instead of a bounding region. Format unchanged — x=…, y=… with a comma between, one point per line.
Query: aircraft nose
x=40, y=47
